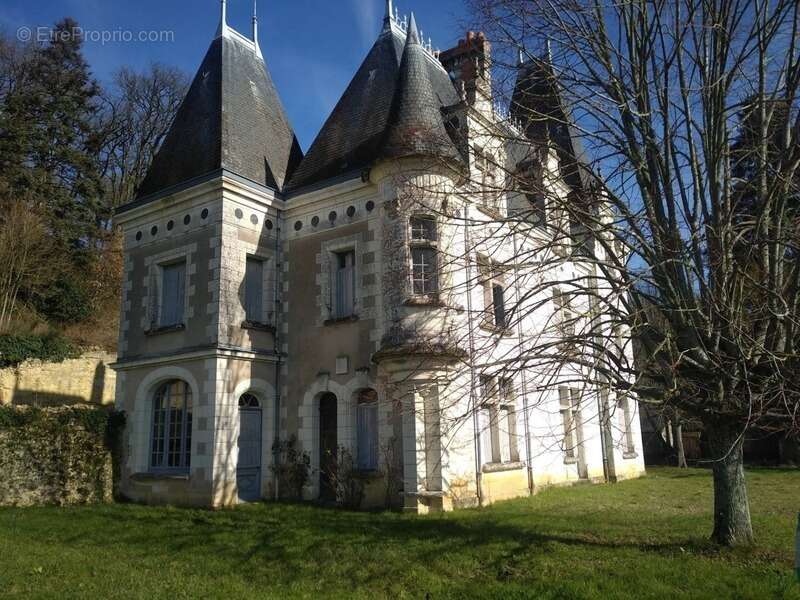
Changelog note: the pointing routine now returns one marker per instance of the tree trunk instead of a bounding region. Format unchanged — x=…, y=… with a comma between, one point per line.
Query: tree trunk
x=732, y=525
x=677, y=434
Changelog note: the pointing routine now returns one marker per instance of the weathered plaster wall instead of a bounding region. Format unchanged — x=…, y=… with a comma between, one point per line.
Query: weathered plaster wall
x=84, y=380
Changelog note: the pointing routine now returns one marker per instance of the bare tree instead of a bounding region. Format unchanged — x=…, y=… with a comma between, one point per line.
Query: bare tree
x=701, y=269
x=138, y=111
x=29, y=259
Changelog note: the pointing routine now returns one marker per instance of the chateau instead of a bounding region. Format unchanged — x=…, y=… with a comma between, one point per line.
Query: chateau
x=361, y=299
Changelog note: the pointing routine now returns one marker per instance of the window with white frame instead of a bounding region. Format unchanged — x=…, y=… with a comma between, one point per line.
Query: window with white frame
x=173, y=294
x=569, y=402
x=497, y=421
x=171, y=437
x=343, y=288
x=424, y=256
x=494, y=295
x=254, y=290
x=367, y=430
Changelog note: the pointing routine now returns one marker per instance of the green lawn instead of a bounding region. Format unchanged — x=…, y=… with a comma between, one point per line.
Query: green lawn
x=636, y=539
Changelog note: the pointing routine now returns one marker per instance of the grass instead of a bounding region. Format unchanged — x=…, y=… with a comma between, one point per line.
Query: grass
x=636, y=539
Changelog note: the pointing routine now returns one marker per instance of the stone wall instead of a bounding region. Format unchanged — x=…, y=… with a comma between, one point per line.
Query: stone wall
x=84, y=380
x=57, y=455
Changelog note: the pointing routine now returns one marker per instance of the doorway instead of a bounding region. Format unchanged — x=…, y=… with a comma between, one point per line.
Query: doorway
x=327, y=447
x=248, y=466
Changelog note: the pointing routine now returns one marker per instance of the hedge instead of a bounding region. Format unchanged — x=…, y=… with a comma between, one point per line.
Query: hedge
x=15, y=349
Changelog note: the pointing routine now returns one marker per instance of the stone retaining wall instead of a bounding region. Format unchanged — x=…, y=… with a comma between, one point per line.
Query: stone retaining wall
x=84, y=380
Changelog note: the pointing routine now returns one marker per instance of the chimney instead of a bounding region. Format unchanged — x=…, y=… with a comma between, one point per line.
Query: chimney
x=469, y=64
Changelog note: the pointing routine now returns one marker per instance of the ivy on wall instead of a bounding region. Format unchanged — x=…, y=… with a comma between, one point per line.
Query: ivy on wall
x=15, y=349
x=59, y=455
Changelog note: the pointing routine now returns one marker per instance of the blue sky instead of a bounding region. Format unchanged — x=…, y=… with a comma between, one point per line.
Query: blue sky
x=312, y=47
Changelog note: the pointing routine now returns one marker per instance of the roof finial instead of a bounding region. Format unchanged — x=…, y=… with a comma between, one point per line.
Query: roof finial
x=387, y=18
x=548, y=51
x=520, y=56
x=223, y=21
x=413, y=33
x=255, y=28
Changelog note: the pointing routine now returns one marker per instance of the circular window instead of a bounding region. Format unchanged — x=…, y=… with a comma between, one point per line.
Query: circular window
x=138, y=236
x=254, y=219
x=298, y=225
x=187, y=219
x=170, y=225
x=248, y=401
x=154, y=230
x=351, y=210
x=238, y=212
x=204, y=214
x=370, y=206
x=332, y=216
x=268, y=224
x=314, y=221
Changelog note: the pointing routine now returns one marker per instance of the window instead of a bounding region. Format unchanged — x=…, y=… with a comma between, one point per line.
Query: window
x=569, y=402
x=626, y=425
x=497, y=421
x=248, y=401
x=173, y=286
x=481, y=162
x=254, y=290
x=424, y=257
x=172, y=427
x=344, y=284
x=498, y=305
x=564, y=315
x=367, y=430
x=423, y=229
x=538, y=215
x=494, y=295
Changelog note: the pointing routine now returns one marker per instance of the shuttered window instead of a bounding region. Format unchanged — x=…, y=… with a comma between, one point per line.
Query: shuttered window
x=173, y=282
x=344, y=285
x=254, y=290
x=499, y=305
x=367, y=431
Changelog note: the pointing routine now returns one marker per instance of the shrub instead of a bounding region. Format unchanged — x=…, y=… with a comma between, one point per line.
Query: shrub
x=15, y=349
x=291, y=468
x=347, y=480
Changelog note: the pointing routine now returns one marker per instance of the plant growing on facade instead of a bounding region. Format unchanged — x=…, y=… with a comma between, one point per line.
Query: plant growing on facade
x=291, y=468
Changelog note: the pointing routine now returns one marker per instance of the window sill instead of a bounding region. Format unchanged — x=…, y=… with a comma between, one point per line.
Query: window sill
x=501, y=467
x=258, y=326
x=144, y=477
x=426, y=300
x=492, y=328
x=629, y=455
x=492, y=213
x=340, y=320
x=165, y=329
x=570, y=460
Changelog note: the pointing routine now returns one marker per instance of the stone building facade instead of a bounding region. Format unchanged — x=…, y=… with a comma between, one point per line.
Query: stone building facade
x=342, y=298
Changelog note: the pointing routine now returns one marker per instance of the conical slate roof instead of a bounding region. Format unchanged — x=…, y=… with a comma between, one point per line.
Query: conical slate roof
x=416, y=126
x=537, y=104
x=380, y=109
x=232, y=119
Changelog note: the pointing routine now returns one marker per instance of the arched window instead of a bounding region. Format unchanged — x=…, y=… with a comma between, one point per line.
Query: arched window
x=248, y=401
x=367, y=430
x=172, y=427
